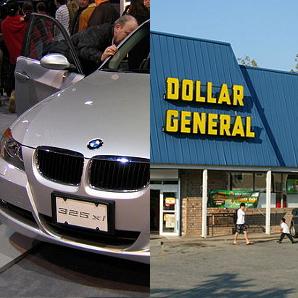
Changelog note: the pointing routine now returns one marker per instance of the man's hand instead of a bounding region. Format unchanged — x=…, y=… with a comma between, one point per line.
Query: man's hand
x=109, y=51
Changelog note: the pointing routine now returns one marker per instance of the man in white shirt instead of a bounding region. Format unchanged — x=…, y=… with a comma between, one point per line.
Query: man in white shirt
x=284, y=229
x=241, y=227
x=62, y=15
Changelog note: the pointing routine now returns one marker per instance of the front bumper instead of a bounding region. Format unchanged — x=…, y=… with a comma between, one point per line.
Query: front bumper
x=29, y=193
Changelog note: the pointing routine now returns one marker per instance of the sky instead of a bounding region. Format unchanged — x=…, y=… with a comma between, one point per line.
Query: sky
x=265, y=30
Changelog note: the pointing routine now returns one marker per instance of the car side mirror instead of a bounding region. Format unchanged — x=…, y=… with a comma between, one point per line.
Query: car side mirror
x=55, y=61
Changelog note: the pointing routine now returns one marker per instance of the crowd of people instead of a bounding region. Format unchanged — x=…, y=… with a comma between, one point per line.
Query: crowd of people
x=95, y=28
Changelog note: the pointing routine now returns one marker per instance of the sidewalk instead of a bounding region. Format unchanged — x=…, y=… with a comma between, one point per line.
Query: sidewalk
x=156, y=240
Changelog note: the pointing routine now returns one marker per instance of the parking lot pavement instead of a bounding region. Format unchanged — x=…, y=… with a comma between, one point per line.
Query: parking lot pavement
x=220, y=269
x=55, y=271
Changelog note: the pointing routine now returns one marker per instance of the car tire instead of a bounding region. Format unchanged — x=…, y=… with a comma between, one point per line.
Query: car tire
x=293, y=231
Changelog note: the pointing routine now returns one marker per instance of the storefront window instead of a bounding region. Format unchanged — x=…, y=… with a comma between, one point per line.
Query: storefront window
x=277, y=182
x=292, y=184
x=169, y=214
x=169, y=201
x=248, y=181
x=260, y=182
x=241, y=181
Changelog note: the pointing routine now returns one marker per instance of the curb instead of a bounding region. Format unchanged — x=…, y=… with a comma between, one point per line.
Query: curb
x=182, y=240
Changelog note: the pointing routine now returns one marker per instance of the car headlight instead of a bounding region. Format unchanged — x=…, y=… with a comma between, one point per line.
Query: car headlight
x=11, y=150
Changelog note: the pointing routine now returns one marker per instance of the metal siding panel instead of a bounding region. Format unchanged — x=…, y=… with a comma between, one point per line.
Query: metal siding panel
x=155, y=148
x=278, y=92
x=265, y=153
x=203, y=60
x=289, y=145
x=293, y=116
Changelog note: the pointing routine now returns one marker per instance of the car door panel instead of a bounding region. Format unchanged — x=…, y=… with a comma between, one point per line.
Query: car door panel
x=33, y=82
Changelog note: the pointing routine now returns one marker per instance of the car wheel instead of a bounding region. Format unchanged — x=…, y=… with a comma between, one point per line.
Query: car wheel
x=292, y=231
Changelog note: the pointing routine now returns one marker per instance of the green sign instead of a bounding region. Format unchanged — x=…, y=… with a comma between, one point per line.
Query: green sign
x=233, y=198
x=292, y=186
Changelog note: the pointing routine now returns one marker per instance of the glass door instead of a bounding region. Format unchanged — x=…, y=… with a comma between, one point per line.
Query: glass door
x=165, y=208
x=169, y=211
x=154, y=210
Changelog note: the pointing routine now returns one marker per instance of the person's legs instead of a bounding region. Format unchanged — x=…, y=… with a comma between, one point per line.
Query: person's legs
x=236, y=237
x=246, y=237
x=290, y=237
x=282, y=236
x=238, y=231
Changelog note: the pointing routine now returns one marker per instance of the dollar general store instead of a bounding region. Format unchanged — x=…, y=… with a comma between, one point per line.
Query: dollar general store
x=221, y=134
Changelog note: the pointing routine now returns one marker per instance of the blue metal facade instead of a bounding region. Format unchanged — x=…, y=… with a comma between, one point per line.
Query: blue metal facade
x=269, y=99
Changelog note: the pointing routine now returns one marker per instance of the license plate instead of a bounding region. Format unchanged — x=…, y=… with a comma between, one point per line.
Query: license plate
x=82, y=213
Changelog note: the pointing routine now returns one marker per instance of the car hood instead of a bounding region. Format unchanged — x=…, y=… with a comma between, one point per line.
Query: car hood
x=113, y=107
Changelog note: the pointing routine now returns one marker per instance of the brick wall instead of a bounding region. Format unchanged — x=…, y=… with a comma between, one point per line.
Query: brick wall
x=191, y=197
x=192, y=216
x=255, y=218
x=190, y=193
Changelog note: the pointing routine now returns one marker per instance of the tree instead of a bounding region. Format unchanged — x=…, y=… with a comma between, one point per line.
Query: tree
x=296, y=66
x=247, y=61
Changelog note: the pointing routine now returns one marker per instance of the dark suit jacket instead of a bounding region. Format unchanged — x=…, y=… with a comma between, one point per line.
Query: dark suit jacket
x=90, y=45
x=103, y=13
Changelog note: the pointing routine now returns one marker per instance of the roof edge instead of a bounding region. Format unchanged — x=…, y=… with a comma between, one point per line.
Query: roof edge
x=192, y=38
x=268, y=69
x=277, y=169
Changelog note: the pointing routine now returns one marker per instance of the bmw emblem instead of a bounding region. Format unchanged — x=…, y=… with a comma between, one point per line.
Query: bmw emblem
x=95, y=144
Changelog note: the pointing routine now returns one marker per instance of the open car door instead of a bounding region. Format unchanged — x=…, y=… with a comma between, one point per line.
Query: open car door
x=33, y=82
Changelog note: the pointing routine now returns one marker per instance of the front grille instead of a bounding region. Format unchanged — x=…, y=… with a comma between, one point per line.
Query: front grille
x=119, y=173
x=60, y=165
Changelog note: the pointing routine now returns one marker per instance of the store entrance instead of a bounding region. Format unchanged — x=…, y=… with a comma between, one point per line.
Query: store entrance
x=164, y=208
x=154, y=210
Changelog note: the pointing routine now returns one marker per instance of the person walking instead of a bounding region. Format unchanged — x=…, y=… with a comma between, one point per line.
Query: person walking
x=284, y=229
x=241, y=227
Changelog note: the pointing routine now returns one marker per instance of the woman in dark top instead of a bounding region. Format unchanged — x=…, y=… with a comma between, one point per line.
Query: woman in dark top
x=140, y=52
x=103, y=13
x=138, y=10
